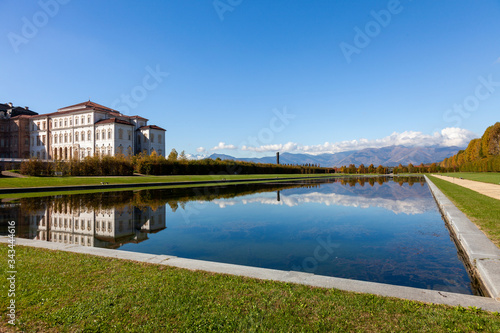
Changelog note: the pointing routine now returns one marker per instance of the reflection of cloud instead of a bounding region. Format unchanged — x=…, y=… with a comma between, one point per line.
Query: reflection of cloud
x=226, y=203
x=409, y=206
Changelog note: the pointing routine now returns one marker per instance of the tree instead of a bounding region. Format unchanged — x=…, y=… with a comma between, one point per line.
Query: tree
x=352, y=169
x=380, y=170
x=371, y=168
x=182, y=156
x=173, y=155
x=361, y=169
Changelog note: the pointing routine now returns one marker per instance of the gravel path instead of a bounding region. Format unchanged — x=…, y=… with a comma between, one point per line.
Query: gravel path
x=490, y=190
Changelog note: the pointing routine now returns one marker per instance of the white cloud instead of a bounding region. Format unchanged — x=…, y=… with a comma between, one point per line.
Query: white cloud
x=223, y=145
x=447, y=137
x=200, y=150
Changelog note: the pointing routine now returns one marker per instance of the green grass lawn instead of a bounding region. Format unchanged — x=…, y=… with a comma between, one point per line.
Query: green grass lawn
x=485, y=177
x=61, y=291
x=72, y=181
x=482, y=210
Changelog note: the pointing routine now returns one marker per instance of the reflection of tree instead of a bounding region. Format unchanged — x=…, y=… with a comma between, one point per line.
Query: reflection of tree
x=152, y=198
x=180, y=196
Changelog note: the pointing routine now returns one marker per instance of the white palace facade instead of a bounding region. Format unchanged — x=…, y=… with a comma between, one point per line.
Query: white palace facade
x=90, y=129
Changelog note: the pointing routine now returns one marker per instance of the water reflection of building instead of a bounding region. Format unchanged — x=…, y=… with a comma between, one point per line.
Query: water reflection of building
x=107, y=228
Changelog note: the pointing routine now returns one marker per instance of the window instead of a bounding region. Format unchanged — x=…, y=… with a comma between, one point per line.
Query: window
x=65, y=122
x=159, y=138
x=43, y=139
x=55, y=138
x=83, y=136
x=89, y=135
x=152, y=138
x=70, y=121
x=83, y=120
x=76, y=121
x=120, y=134
x=43, y=124
x=65, y=137
x=76, y=137
x=38, y=141
x=60, y=122
x=60, y=138
x=139, y=139
x=103, y=134
x=97, y=135
x=109, y=134
x=88, y=120
x=129, y=135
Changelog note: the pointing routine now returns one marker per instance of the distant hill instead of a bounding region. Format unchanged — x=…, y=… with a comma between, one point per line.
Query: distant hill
x=387, y=156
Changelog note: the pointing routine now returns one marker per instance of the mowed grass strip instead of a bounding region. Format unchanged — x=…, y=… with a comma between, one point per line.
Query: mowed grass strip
x=485, y=177
x=72, y=181
x=62, y=291
x=481, y=210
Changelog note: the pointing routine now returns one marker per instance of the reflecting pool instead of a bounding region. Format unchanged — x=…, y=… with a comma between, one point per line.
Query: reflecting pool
x=376, y=229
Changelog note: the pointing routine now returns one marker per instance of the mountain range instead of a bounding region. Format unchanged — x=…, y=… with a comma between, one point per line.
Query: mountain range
x=386, y=156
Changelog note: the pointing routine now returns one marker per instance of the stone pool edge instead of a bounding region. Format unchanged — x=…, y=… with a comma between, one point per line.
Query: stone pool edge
x=409, y=293
x=483, y=256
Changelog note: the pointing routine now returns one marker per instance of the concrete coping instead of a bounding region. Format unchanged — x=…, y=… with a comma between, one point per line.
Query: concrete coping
x=483, y=256
x=414, y=294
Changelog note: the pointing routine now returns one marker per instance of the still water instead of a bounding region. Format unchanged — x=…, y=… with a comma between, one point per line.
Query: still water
x=377, y=229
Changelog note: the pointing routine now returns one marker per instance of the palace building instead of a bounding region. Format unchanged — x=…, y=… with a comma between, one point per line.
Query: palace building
x=90, y=129
x=14, y=131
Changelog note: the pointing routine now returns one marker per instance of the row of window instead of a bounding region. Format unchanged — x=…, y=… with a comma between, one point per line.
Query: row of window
x=58, y=123
x=81, y=225
x=40, y=140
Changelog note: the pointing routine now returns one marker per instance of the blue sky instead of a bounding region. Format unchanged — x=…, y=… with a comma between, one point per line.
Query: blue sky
x=248, y=78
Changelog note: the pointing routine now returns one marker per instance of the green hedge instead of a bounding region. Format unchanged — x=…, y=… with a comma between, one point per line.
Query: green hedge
x=90, y=166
